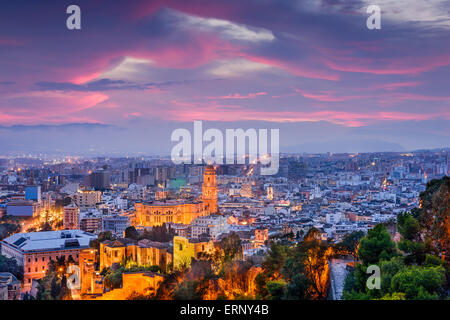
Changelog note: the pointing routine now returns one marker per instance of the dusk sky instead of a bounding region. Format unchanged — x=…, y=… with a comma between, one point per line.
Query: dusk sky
x=139, y=69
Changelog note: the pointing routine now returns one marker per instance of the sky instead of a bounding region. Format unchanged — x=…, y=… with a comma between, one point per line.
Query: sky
x=137, y=70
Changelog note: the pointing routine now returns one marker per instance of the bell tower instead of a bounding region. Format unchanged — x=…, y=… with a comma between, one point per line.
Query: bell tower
x=209, y=191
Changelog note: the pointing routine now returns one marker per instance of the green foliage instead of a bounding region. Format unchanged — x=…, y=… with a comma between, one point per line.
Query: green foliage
x=113, y=279
x=434, y=215
x=394, y=296
x=276, y=289
x=408, y=226
x=187, y=290
x=377, y=245
x=7, y=229
x=433, y=261
x=61, y=203
x=419, y=282
x=231, y=247
x=53, y=287
x=297, y=288
x=131, y=233
x=10, y=265
x=302, y=269
x=350, y=242
x=414, y=251
x=275, y=259
x=162, y=233
x=103, y=236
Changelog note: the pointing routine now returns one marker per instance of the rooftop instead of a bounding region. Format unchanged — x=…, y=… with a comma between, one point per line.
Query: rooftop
x=49, y=240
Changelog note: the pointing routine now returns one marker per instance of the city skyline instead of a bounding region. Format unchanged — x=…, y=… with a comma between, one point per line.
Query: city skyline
x=135, y=72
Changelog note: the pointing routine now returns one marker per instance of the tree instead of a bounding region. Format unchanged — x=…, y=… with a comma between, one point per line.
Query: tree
x=45, y=226
x=314, y=254
x=276, y=289
x=163, y=233
x=419, y=282
x=131, y=233
x=377, y=245
x=187, y=290
x=434, y=215
x=103, y=236
x=53, y=287
x=10, y=265
x=297, y=288
x=7, y=229
x=231, y=247
x=408, y=226
x=113, y=279
x=350, y=243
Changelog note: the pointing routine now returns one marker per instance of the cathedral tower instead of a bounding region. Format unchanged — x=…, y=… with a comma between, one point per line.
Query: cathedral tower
x=209, y=191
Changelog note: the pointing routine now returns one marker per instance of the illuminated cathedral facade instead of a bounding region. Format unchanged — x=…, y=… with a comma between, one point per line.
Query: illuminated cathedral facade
x=180, y=211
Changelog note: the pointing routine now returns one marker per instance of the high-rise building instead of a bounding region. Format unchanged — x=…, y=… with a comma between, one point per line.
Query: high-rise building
x=33, y=193
x=86, y=199
x=91, y=221
x=209, y=190
x=70, y=217
x=98, y=180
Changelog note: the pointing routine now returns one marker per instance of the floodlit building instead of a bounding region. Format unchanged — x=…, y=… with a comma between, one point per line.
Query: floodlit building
x=184, y=250
x=180, y=211
x=144, y=253
x=34, y=250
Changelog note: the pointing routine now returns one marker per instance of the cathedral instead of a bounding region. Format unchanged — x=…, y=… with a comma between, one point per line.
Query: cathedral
x=209, y=191
x=180, y=211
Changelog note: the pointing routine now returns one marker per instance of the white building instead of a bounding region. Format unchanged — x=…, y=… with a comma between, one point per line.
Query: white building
x=333, y=218
x=34, y=250
x=115, y=224
x=213, y=225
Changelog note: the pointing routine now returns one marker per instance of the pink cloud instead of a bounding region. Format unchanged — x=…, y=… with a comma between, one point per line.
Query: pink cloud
x=396, y=85
x=239, y=96
x=187, y=111
x=387, y=66
x=46, y=106
x=327, y=96
x=295, y=68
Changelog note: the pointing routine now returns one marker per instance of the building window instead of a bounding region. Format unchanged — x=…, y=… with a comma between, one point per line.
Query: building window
x=43, y=258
